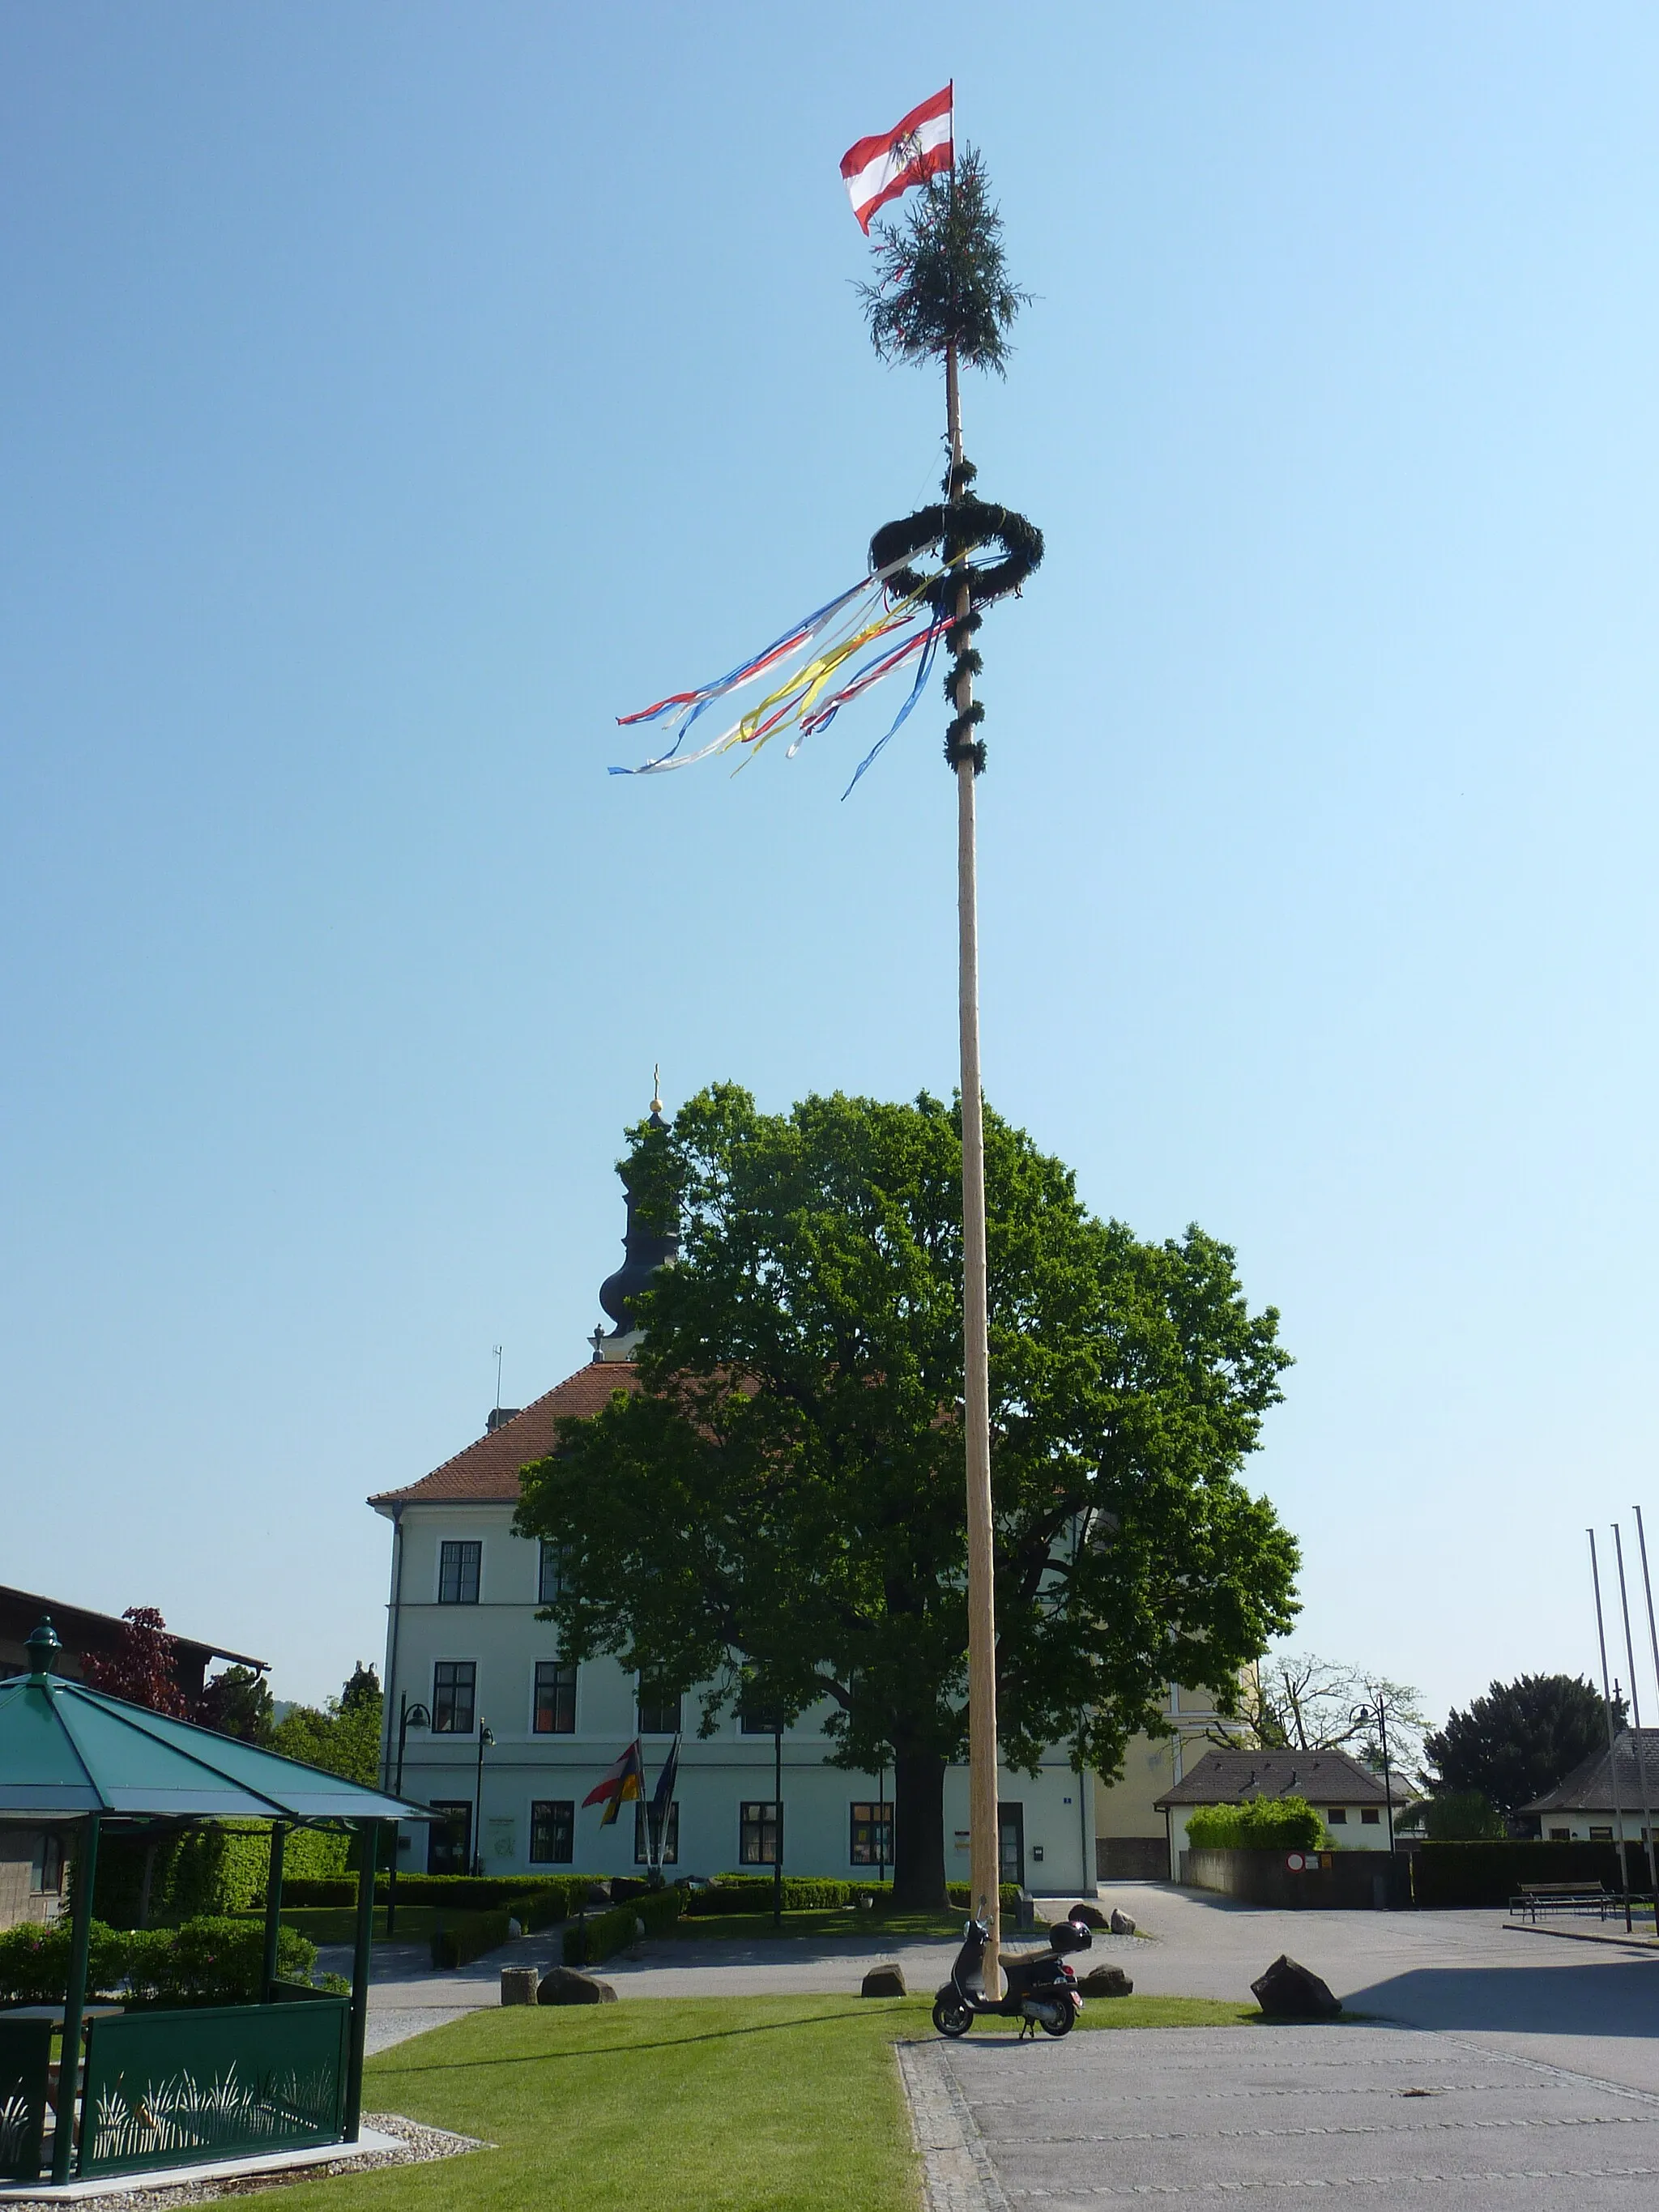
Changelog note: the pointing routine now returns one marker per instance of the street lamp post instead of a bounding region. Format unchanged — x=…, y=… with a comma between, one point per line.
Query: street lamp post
x=409, y=1716
x=486, y=1742
x=777, y=1807
x=1381, y=1716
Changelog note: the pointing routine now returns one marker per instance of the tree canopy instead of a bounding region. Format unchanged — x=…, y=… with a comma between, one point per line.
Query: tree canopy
x=1521, y=1739
x=143, y=1667
x=343, y=1737
x=778, y=1513
x=1298, y=1700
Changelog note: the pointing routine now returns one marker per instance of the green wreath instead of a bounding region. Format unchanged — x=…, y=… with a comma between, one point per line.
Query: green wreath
x=960, y=525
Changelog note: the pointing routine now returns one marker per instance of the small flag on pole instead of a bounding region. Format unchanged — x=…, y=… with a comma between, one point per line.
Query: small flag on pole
x=878, y=169
x=626, y=1779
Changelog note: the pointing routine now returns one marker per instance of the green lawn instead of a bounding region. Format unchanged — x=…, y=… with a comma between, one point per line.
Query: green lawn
x=714, y=2104
x=875, y=1927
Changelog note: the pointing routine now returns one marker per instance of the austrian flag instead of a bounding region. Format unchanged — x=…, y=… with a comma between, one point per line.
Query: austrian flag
x=878, y=169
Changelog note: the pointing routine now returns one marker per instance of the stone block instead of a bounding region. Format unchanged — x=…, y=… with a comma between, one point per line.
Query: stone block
x=1090, y=1915
x=1107, y=1982
x=519, y=1984
x=1289, y=1991
x=885, y=1981
x=563, y=1986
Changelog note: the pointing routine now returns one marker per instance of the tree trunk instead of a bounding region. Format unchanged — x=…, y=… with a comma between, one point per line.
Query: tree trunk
x=919, y=1831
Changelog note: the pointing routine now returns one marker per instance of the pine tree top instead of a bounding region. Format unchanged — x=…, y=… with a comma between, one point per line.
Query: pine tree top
x=942, y=280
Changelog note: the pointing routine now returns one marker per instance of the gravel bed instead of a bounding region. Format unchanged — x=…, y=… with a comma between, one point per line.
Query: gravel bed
x=398, y=2024
x=418, y=2144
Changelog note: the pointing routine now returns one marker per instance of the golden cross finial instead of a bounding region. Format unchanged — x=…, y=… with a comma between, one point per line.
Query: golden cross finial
x=656, y=1088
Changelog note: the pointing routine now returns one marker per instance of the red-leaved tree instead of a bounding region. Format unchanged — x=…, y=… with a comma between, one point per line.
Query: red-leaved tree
x=143, y=1667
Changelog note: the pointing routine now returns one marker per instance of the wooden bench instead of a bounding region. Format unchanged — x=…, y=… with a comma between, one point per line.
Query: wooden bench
x=1538, y=1897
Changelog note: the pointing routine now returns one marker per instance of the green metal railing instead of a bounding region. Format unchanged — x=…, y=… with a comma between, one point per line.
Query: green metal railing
x=25, y=2057
x=173, y=2088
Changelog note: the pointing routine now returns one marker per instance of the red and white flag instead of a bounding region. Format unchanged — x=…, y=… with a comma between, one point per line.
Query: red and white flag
x=878, y=169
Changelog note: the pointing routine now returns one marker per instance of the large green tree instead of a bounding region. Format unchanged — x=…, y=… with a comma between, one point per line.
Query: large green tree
x=1521, y=1739
x=778, y=1513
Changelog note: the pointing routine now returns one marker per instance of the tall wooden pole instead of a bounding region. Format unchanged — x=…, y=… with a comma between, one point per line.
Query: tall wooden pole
x=984, y=1869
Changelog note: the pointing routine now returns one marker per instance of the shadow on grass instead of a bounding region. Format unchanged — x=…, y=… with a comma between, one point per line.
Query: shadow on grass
x=666, y=2043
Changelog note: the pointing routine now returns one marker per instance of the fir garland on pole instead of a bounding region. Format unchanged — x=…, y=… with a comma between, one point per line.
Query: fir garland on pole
x=943, y=293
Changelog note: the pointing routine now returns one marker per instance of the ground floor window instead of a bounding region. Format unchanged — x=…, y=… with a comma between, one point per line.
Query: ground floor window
x=873, y=1835
x=1369, y=1817
x=1560, y=1835
x=1336, y=1816
x=449, y=1839
x=757, y=1834
x=1600, y=1835
x=46, y=1874
x=553, y=1831
x=671, y=1835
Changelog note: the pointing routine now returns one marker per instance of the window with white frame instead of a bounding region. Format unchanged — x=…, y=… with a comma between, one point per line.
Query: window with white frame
x=553, y=1831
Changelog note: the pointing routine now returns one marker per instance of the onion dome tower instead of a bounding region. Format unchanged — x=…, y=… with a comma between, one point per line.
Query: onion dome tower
x=644, y=1251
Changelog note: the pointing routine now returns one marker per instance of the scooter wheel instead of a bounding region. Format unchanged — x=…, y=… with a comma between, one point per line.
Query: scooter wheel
x=950, y=2017
x=1057, y=2023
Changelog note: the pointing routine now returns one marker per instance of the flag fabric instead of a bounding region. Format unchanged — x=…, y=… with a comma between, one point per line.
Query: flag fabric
x=626, y=1779
x=662, y=1796
x=878, y=169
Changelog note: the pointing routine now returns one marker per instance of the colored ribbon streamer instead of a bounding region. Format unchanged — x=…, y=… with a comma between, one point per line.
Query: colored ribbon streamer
x=809, y=698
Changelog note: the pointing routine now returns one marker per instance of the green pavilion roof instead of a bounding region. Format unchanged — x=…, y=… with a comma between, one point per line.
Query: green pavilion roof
x=66, y=1750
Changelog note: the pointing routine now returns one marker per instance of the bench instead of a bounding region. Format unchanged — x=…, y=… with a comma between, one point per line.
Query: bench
x=1538, y=1897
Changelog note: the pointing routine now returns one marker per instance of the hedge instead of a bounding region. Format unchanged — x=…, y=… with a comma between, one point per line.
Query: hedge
x=599, y=1935
x=961, y=1896
x=466, y=1892
x=210, y=1870
x=467, y=1937
x=1472, y=1875
x=738, y=1893
x=1266, y=1824
x=211, y=1960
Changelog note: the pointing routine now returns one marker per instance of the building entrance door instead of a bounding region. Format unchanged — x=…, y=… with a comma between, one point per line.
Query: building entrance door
x=1010, y=1843
x=449, y=1839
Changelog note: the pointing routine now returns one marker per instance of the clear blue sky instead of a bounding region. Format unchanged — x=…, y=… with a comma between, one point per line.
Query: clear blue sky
x=392, y=394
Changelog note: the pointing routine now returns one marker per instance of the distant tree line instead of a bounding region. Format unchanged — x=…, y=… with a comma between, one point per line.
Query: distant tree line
x=342, y=1736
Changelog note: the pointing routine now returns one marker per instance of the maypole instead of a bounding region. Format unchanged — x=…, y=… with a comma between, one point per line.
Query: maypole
x=944, y=292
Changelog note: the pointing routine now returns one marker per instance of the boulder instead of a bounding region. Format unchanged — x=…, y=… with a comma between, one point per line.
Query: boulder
x=519, y=1984
x=1121, y=1924
x=599, y=1892
x=1289, y=1991
x=1090, y=1915
x=1107, y=1982
x=885, y=1981
x=563, y=1986
x=514, y=1928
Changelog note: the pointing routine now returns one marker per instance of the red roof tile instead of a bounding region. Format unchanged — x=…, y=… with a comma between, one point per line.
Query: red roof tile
x=487, y=1471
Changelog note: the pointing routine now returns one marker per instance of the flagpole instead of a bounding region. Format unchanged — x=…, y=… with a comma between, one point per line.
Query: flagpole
x=983, y=1867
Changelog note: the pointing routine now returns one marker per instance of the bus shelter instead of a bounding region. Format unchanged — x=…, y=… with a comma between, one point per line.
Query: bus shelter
x=142, y=2090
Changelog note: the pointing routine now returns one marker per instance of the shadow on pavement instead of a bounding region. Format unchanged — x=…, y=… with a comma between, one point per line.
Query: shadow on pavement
x=1608, y=1997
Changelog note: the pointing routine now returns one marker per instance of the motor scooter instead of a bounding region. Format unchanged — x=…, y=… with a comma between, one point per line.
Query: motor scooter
x=1042, y=1992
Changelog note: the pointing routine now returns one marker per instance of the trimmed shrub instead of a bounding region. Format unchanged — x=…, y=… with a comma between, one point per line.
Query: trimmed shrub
x=1462, y=1816
x=1266, y=1824
x=35, y=1962
x=209, y=1962
x=466, y=1892
x=960, y=1897
x=744, y=1893
x=467, y=1937
x=601, y=1935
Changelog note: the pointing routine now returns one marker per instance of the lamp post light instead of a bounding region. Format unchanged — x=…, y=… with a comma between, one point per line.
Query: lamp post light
x=409, y=1716
x=486, y=1742
x=1379, y=1713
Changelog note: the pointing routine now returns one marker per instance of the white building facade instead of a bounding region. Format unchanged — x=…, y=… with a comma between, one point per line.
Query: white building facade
x=463, y=1642
x=508, y=1741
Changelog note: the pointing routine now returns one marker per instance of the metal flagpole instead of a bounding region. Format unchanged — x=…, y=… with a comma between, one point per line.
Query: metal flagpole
x=1612, y=1764
x=983, y=1866
x=1635, y=1718
x=1653, y=1636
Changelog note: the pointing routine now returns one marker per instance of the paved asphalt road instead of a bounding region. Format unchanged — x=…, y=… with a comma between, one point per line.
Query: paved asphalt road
x=1419, y=2122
